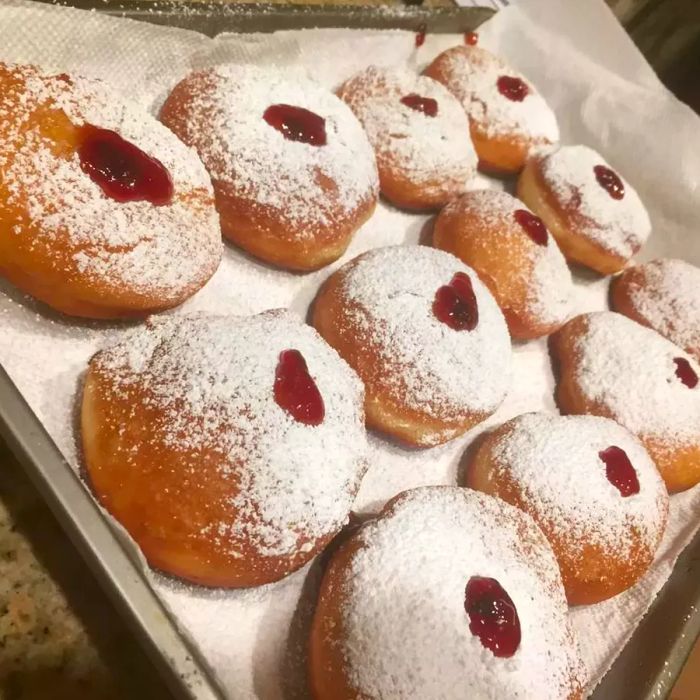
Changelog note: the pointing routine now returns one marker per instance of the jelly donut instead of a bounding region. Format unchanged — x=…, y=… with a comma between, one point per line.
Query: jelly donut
x=425, y=336
x=509, y=120
x=596, y=216
x=611, y=366
x=293, y=172
x=420, y=135
x=448, y=594
x=663, y=294
x=591, y=487
x=103, y=212
x=208, y=439
x=515, y=257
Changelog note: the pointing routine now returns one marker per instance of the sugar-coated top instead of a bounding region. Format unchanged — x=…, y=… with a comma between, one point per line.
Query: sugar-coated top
x=390, y=294
x=546, y=275
x=211, y=378
x=407, y=633
x=473, y=75
x=669, y=299
x=554, y=462
x=302, y=183
x=157, y=250
x=630, y=369
x=618, y=225
x=428, y=149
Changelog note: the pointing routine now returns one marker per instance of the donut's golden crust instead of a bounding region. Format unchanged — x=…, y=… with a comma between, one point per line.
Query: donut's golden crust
x=329, y=676
x=395, y=182
x=590, y=572
x=503, y=264
x=576, y=246
x=43, y=266
x=679, y=465
x=259, y=229
x=622, y=290
x=499, y=154
x=385, y=409
x=117, y=422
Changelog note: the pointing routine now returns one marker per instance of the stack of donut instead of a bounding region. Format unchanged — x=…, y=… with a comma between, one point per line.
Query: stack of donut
x=232, y=448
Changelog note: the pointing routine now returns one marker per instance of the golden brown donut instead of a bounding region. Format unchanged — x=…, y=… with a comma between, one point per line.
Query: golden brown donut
x=425, y=336
x=513, y=254
x=663, y=294
x=448, y=594
x=509, y=120
x=591, y=487
x=208, y=439
x=103, y=212
x=596, y=216
x=613, y=367
x=419, y=132
x=293, y=172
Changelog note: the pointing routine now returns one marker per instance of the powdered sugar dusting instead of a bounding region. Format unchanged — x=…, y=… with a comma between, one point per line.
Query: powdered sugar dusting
x=224, y=122
x=405, y=600
x=390, y=294
x=474, y=74
x=433, y=150
x=546, y=277
x=554, y=462
x=669, y=300
x=619, y=225
x=213, y=378
x=159, y=250
x=630, y=369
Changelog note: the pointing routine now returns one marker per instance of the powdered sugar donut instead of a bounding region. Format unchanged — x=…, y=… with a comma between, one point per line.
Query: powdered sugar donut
x=103, y=212
x=663, y=294
x=595, y=215
x=509, y=119
x=208, y=438
x=513, y=254
x=419, y=132
x=611, y=366
x=425, y=336
x=448, y=594
x=592, y=488
x=293, y=171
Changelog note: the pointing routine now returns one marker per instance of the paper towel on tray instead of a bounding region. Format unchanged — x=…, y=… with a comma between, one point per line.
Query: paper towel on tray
x=605, y=95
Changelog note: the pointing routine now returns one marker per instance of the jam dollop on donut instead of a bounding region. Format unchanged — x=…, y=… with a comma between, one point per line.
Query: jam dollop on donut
x=591, y=487
x=104, y=213
x=448, y=569
x=229, y=448
x=509, y=120
x=419, y=132
x=614, y=367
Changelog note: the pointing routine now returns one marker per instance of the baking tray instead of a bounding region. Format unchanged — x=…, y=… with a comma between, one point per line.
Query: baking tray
x=650, y=663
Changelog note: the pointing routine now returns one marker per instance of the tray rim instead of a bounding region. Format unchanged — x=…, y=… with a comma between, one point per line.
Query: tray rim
x=172, y=653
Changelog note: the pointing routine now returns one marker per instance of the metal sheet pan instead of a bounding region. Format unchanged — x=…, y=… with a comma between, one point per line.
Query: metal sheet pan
x=650, y=663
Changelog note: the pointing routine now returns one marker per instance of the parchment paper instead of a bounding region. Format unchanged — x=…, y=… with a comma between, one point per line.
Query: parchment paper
x=605, y=95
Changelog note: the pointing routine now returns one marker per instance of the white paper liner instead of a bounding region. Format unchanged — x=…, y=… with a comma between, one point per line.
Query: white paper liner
x=604, y=94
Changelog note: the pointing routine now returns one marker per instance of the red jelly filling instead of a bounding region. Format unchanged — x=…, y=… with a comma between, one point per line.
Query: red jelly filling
x=512, y=88
x=492, y=616
x=471, y=38
x=620, y=471
x=420, y=35
x=427, y=105
x=455, y=304
x=295, y=390
x=533, y=225
x=609, y=181
x=685, y=372
x=123, y=171
x=297, y=124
